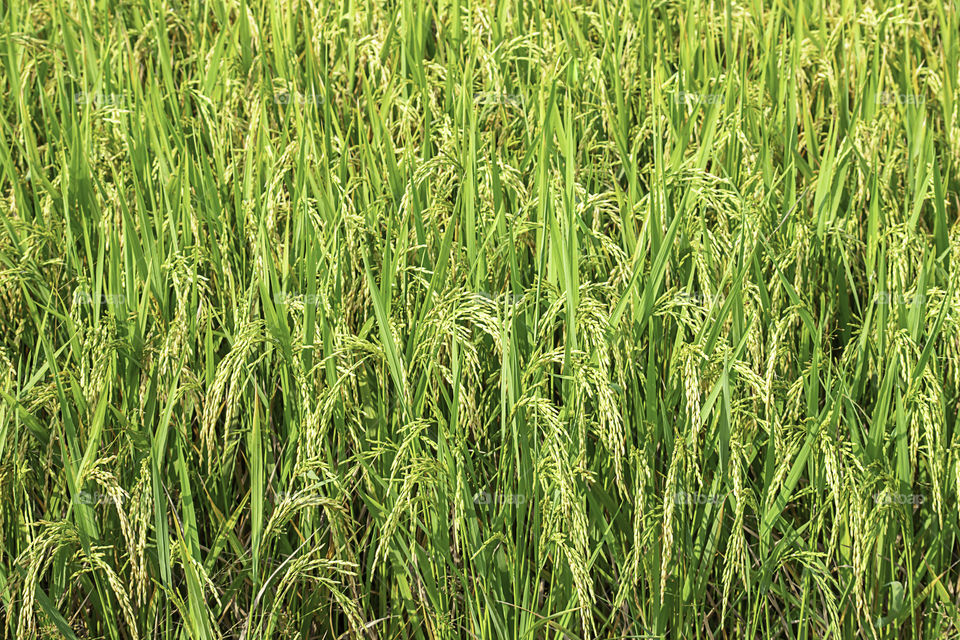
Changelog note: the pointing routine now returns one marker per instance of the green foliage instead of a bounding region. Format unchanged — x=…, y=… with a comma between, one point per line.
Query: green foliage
x=479, y=319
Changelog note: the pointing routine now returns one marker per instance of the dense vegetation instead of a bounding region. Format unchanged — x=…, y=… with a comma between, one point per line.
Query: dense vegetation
x=474, y=319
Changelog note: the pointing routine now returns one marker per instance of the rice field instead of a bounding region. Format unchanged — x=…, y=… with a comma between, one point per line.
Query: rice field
x=467, y=319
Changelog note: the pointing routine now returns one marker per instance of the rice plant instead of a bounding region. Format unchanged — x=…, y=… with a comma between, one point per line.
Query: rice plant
x=473, y=319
